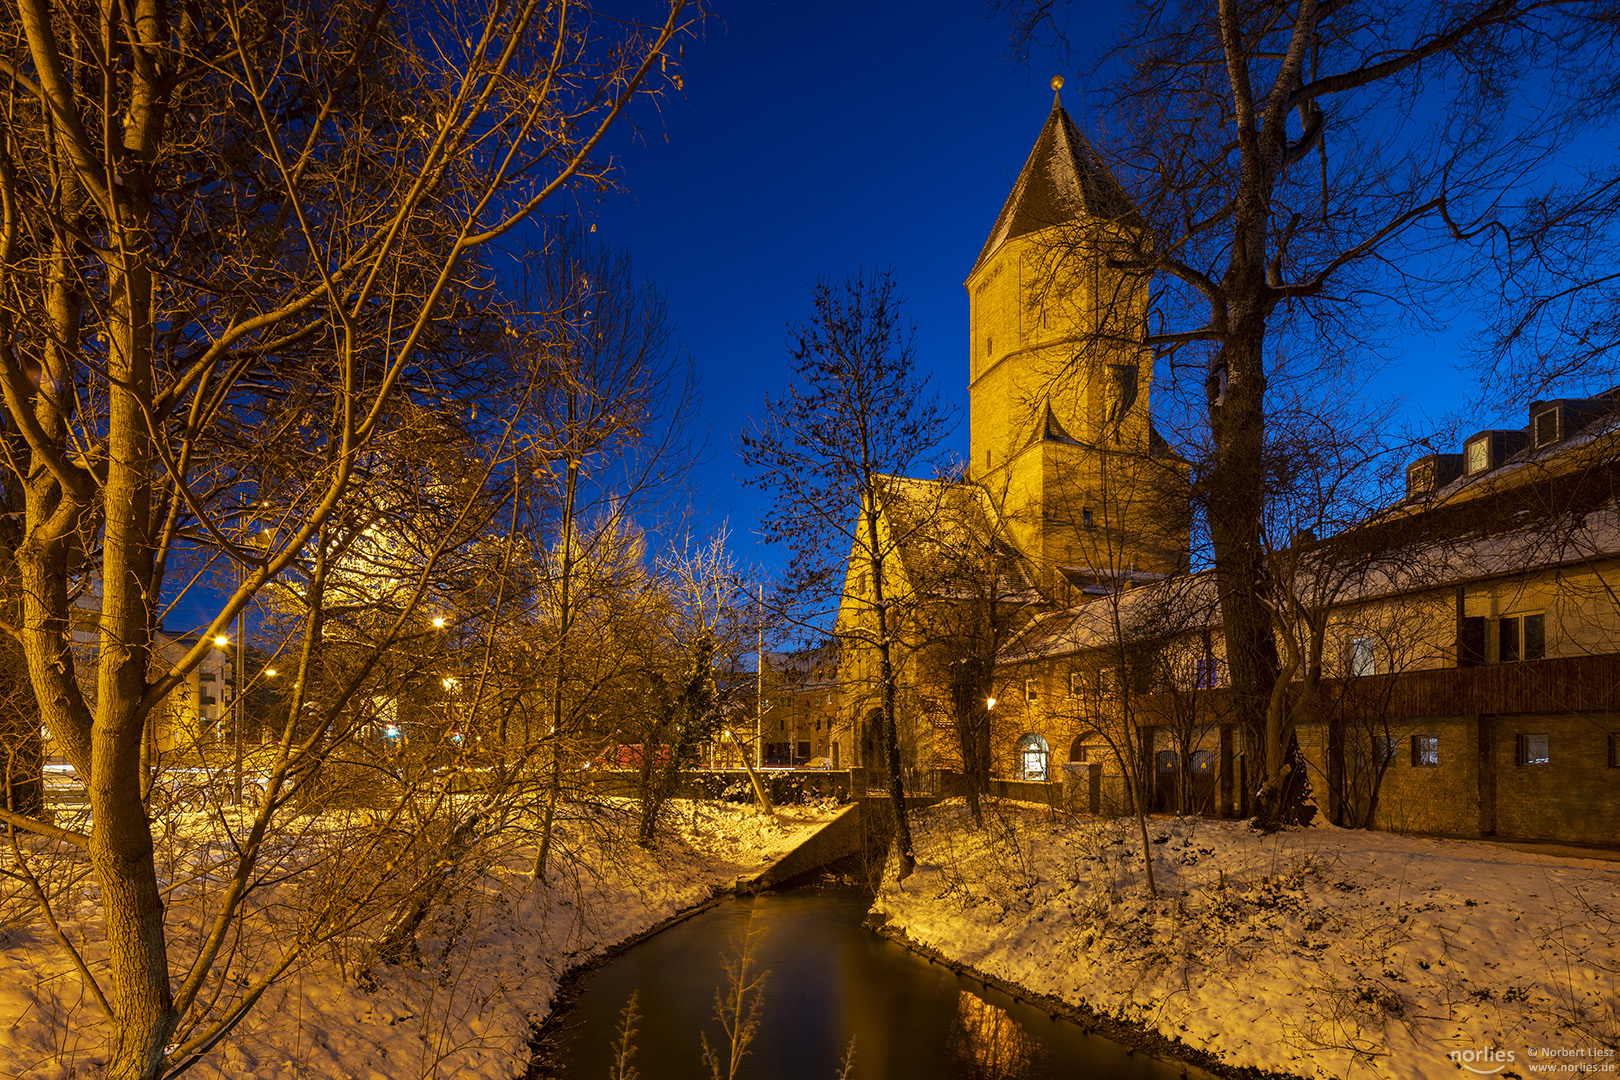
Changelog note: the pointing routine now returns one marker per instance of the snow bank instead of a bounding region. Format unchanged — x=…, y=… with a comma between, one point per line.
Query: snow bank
x=1316, y=952
x=492, y=960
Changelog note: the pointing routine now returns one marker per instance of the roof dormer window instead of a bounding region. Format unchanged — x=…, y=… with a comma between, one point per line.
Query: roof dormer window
x=1547, y=427
x=1478, y=455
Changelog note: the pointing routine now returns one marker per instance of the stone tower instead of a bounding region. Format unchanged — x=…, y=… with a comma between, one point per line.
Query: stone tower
x=1060, y=383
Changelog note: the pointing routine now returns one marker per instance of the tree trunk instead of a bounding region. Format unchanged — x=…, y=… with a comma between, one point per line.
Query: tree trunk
x=1236, y=505
x=121, y=844
x=397, y=943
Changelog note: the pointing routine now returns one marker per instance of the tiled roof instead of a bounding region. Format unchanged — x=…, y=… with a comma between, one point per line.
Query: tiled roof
x=1063, y=179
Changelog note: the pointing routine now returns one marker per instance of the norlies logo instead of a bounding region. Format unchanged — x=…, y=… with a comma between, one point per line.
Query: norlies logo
x=1486, y=1062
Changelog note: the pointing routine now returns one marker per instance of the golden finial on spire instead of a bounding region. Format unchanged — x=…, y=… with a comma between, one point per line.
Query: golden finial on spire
x=1057, y=84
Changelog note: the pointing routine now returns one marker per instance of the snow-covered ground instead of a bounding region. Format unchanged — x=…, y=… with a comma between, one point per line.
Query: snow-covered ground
x=1317, y=952
x=492, y=960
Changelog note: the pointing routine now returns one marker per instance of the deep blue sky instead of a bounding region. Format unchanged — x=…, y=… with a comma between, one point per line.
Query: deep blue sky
x=821, y=138
x=817, y=139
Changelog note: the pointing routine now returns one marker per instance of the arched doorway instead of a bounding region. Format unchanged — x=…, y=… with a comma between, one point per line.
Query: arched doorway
x=1166, y=766
x=1089, y=746
x=1032, y=758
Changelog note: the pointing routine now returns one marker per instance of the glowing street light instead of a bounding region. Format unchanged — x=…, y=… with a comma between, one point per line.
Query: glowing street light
x=990, y=703
x=438, y=622
x=222, y=641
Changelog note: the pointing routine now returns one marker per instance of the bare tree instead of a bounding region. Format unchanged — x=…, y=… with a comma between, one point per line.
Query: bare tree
x=607, y=427
x=224, y=231
x=856, y=417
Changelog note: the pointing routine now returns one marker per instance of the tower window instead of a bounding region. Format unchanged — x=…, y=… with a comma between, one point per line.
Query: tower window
x=989, y=345
x=1085, y=518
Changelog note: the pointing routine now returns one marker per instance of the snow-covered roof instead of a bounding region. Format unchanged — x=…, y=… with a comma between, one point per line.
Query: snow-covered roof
x=1166, y=608
x=1528, y=528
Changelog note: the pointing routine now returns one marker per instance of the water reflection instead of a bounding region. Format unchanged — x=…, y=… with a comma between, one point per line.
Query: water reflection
x=831, y=980
x=987, y=1043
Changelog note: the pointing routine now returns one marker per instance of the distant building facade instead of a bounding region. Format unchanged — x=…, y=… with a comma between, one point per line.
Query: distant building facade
x=802, y=708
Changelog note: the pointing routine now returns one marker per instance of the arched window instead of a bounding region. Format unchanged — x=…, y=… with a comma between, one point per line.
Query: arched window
x=1031, y=757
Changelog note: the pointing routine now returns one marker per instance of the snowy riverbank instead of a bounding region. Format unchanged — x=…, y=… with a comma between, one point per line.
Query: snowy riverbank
x=1317, y=952
x=492, y=961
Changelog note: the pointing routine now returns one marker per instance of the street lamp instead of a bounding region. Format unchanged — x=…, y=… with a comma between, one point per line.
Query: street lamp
x=990, y=703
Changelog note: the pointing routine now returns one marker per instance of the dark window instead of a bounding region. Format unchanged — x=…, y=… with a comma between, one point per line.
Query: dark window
x=1471, y=641
x=1521, y=637
x=1547, y=428
x=1535, y=637
x=1614, y=750
x=1425, y=751
x=1030, y=690
x=1206, y=675
x=206, y=676
x=1383, y=749
x=1507, y=639
x=1530, y=750
x=1085, y=518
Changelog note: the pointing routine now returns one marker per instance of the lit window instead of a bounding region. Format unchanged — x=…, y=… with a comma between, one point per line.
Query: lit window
x=1030, y=758
x=1478, y=455
x=1530, y=750
x=1425, y=751
x=1362, y=660
x=1420, y=477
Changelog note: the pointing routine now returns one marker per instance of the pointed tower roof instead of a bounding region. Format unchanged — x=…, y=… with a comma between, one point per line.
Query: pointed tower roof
x=1063, y=179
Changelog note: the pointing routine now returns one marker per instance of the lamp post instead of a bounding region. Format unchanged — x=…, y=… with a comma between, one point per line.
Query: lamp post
x=223, y=642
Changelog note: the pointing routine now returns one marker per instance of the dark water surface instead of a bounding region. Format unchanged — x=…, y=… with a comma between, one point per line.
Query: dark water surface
x=830, y=980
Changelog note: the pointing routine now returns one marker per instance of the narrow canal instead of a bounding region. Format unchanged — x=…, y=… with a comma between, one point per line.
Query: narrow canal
x=830, y=980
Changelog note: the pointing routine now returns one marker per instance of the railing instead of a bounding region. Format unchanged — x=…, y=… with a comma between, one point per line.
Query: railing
x=1565, y=684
